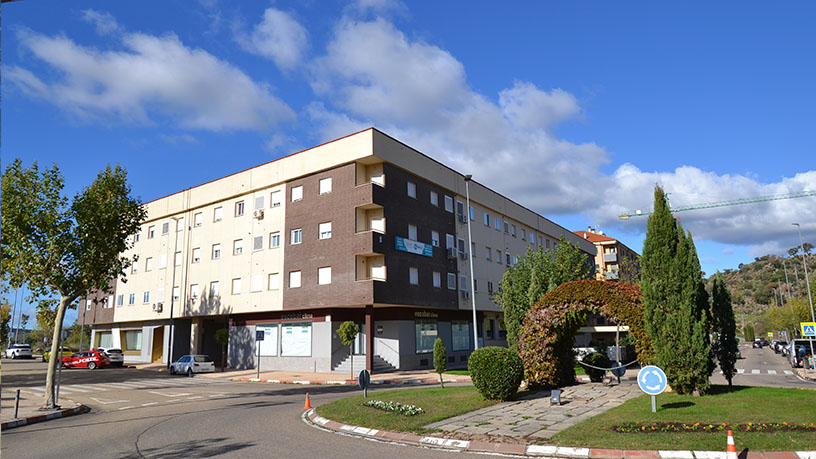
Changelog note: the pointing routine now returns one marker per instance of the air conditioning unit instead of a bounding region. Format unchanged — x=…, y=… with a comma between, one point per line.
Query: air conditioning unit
x=465, y=294
x=463, y=255
x=157, y=307
x=259, y=214
x=462, y=218
x=451, y=252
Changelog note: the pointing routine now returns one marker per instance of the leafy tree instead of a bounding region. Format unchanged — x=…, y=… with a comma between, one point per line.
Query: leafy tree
x=536, y=273
x=76, y=334
x=440, y=360
x=726, y=328
x=792, y=251
x=675, y=301
x=807, y=247
x=749, y=333
x=24, y=321
x=348, y=333
x=46, y=314
x=222, y=338
x=5, y=319
x=65, y=249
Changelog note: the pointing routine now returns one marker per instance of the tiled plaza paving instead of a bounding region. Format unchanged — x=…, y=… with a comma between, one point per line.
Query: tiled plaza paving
x=533, y=418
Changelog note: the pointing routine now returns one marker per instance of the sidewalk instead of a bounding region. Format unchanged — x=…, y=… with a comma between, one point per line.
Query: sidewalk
x=29, y=410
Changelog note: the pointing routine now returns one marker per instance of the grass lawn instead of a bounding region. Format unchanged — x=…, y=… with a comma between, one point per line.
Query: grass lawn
x=745, y=404
x=458, y=372
x=437, y=403
x=579, y=369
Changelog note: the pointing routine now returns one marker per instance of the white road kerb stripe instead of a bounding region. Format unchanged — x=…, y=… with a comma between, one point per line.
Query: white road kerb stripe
x=806, y=454
x=676, y=454
x=444, y=442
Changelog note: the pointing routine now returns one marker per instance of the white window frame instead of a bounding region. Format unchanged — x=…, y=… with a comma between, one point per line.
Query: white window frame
x=194, y=291
x=437, y=279
x=324, y=275
x=412, y=232
x=196, y=255
x=274, y=240
x=413, y=275
x=218, y=214
x=325, y=185
x=296, y=236
x=259, y=202
x=273, y=281
x=236, y=286
x=240, y=208
x=149, y=264
x=449, y=203
x=215, y=253
x=297, y=193
x=435, y=238
x=434, y=198
x=198, y=219
x=215, y=289
x=177, y=259
x=451, y=281
x=275, y=199
x=295, y=279
x=412, y=190
x=255, y=283
x=324, y=230
x=238, y=247
x=151, y=231
x=163, y=261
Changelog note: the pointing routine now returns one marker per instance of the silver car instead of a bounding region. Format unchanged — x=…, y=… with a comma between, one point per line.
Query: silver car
x=117, y=358
x=19, y=351
x=191, y=364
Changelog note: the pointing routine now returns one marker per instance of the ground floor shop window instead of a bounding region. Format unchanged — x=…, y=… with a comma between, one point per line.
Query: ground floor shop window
x=296, y=340
x=133, y=340
x=460, y=331
x=104, y=339
x=269, y=345
x=502, y=329
x=426, y=333
x=491, y=334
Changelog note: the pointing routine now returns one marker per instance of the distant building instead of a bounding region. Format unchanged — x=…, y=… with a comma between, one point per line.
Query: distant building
x=613, y=259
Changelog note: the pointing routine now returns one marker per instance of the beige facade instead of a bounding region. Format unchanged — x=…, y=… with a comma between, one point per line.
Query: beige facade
x=230, y=244
x=613, y=260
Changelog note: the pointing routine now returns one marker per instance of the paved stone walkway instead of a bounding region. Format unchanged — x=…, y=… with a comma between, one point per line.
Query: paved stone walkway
x=533, y=418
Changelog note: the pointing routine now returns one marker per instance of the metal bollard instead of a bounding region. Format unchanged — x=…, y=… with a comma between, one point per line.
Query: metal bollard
x=17, y=404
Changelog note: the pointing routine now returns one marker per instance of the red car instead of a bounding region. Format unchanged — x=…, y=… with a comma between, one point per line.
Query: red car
x=86, y=359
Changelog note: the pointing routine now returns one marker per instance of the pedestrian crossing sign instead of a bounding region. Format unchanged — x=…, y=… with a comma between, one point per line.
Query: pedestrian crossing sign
x=808, y=328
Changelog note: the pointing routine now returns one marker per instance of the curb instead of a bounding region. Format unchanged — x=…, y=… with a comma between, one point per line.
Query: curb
x=79, y=409
x=312, y=418
x=395, y=382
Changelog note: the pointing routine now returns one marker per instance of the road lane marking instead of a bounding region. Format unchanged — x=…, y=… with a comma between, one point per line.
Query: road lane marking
x=126, y=407
x=106, y=401
x=740, y=370
x=788, y=372
x=74, y=389
x=771, y=372
x=150, y=403
x=168, y=395
x=755, y=372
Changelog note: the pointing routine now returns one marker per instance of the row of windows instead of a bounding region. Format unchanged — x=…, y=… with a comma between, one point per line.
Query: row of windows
x=324, y=187
x=324, y=277
x=324, y=231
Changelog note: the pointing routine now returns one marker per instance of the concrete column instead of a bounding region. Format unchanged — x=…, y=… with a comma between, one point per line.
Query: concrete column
x=195, y=335
x=369, y=337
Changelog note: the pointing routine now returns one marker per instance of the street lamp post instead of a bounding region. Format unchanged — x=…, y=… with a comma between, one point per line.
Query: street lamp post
x=472, y=279
x=807, y=282
x=173, y=294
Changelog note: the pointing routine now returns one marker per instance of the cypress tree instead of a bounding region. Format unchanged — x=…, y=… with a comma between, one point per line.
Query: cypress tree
x=726, y=327
x=657, y=271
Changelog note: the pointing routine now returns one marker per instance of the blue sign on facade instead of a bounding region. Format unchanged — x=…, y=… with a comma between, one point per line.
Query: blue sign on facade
x=419, y=248
x=652, y=380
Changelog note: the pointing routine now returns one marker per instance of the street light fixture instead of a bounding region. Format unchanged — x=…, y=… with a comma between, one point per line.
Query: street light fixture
x=807, y=282
x=472, y=279
x=173, y=293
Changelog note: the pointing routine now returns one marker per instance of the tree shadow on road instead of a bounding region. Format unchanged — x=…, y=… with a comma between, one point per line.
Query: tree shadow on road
x=194, y=448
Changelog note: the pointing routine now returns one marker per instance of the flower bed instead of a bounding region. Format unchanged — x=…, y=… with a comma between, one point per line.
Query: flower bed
x=769, y=427
x=406, y=410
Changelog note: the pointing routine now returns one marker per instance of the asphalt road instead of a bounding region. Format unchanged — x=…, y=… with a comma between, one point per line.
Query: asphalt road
x=762, y=367
x=242, y=420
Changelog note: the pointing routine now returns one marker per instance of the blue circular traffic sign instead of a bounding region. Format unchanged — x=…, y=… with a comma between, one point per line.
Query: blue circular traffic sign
x=651, y=380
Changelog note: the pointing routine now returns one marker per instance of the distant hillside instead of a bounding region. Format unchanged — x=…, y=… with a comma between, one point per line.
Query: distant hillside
x=752, y=285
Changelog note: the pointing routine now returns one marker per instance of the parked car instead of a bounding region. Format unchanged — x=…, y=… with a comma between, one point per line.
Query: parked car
x=64, y=352
x=779, y=345
x=794, y=350
x=117, y=358
x=191, y=364
x=91, y=360
x=19, y=351
x=757, y=343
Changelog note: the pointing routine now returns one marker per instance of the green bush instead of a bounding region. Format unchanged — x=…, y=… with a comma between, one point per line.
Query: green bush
x=598, y=360
x=440, y=359
x=496, y=372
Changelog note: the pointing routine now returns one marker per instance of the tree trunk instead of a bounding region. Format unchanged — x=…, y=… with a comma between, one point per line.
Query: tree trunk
x=56, y=357
x=223, y=357
x=351, y=367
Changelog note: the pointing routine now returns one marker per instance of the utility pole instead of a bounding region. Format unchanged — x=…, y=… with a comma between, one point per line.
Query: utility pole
x=13, y=316
x=173, y=293
x=787, y=284
x=472, y=279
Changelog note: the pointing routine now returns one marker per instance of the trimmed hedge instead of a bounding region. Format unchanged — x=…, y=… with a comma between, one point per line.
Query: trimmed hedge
x=598, y=360
x=496, y=372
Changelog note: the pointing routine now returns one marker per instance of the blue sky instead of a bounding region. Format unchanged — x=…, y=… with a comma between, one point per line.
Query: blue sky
x=575, y=109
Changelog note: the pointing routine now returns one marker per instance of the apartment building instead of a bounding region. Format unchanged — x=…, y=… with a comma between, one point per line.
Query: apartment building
x=612, y=256
x=362, y=228
x=613, y=260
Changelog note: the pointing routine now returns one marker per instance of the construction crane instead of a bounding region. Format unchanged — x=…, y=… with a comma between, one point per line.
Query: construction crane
x=732, y=202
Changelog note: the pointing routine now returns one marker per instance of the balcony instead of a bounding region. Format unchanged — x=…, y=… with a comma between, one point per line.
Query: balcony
x=610, y=257
x=370, y=217
x=371, y=267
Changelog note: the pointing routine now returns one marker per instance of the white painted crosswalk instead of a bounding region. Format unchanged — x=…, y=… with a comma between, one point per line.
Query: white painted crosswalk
x=754, y=371
x=134, y=384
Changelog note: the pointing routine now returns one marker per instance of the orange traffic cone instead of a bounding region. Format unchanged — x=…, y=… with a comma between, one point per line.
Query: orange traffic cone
x=308, y=406
x=731, y=450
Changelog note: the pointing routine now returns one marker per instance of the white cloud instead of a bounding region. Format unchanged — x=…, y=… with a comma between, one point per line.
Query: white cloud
x=377, y=7
x=373, y=74
x=105, y=23
x=146, y=78
x=278, y=37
